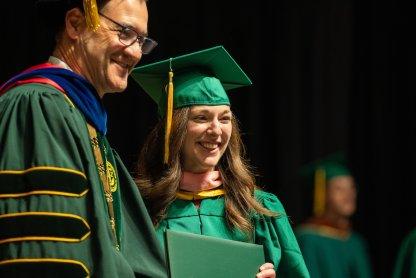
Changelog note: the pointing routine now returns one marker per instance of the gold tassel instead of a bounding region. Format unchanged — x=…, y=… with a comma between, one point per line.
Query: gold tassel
x=319, y=192
x=169, y=112
x=91, y=14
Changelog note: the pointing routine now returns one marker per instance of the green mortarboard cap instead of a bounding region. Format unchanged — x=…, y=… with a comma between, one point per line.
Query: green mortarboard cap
x=200, y=78
x=333, y=165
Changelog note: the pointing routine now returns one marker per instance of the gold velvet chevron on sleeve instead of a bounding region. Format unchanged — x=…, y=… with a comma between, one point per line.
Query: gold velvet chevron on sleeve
x=49, y=267
x=29, y=226
x=43, y=180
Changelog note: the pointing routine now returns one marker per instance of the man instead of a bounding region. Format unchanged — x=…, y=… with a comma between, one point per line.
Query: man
x=68, y=206
x=329, y=246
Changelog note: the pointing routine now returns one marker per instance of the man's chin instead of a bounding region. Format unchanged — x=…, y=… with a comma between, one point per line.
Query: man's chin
x=114, y=91
x=118, y=88
x=348, y=213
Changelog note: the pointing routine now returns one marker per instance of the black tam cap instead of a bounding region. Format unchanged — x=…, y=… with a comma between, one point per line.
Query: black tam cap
x=52, y=12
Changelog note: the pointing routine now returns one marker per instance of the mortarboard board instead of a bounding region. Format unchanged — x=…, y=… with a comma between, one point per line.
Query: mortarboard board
x=321, y=171
x=201, y=78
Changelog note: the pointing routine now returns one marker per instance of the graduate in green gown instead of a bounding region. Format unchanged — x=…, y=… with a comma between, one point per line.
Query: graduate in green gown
x=330, y=247
x=405, y=266
x=68, y=206
x=191, y=169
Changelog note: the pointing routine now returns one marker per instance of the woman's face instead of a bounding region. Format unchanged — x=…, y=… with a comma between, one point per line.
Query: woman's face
x=208, y=133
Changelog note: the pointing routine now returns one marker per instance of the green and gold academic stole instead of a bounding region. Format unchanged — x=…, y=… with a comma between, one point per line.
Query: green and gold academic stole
x=109, y=180
x=113, y=181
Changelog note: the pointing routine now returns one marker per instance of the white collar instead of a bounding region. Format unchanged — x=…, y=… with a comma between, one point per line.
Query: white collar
x=58, y=62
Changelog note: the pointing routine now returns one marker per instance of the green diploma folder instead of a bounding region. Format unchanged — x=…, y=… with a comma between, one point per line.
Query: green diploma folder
x=197, y=256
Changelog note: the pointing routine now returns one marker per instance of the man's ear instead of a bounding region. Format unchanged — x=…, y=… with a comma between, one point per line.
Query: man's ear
x=74, y=23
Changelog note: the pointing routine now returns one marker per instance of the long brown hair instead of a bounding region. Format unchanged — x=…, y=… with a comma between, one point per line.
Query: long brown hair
x=158, y=183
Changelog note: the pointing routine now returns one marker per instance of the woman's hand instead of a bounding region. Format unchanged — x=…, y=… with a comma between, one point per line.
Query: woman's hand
x=266, y=271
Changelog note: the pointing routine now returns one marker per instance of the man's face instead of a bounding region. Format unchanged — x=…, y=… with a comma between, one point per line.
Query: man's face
x=105, y=61
x=341, y=196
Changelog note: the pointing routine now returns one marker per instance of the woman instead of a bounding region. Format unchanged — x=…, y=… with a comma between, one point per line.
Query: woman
x=200, y=182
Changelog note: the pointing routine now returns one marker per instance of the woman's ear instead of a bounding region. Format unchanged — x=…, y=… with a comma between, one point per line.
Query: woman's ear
x=74, y=23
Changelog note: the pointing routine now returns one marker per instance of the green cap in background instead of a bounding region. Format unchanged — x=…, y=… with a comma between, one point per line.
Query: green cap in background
x=200, y=78
x=333, y=165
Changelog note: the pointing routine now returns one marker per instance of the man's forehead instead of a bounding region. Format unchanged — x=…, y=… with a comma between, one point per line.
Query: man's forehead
x=339, y=181
x=128, y=8
x=131, y=13
x=118, y=3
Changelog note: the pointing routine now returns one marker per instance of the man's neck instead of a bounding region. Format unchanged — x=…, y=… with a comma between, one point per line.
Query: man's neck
x=64, y=55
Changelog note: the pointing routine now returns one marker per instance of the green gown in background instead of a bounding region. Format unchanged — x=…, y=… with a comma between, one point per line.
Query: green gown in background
x=406, y=260
x=332, y=253
x=53, y=215
x=274, y=233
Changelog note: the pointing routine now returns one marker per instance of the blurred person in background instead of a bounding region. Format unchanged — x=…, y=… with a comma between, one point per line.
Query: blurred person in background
x=330, y=247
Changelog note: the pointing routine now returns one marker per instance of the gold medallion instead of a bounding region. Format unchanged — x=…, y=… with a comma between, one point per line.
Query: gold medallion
x=111, y=177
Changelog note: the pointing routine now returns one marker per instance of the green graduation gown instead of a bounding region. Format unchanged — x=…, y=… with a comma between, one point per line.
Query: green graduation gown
x=274, y=233
x=330, y=256
x=54, y=219
x=406, y=260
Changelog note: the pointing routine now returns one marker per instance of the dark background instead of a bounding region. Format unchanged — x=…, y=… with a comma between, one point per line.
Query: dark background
x=327, y=76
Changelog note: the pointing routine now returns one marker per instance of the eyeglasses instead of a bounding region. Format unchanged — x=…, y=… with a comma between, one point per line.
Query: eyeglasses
x=128, y=37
